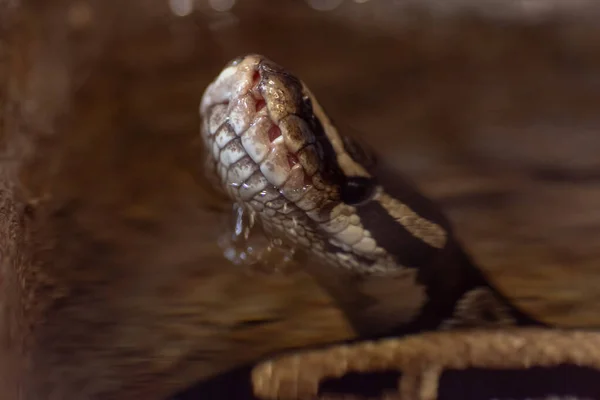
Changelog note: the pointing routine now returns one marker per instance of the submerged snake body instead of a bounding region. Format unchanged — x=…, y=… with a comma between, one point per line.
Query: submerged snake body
x=386, y=252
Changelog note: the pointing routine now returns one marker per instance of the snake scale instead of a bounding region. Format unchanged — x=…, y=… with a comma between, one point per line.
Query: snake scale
x=277, y=153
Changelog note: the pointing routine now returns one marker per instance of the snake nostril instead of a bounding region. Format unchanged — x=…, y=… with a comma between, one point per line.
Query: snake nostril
x=255, y=78
x=292, y=159
x=274, y=133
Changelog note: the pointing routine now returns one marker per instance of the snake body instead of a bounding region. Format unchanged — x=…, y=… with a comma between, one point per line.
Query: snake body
x=386, y=252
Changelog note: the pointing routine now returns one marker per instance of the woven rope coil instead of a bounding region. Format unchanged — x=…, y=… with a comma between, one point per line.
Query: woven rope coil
x=422, y=358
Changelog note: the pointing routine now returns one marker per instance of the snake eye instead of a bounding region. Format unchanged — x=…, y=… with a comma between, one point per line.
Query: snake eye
x=307, y=104
x=357, y=190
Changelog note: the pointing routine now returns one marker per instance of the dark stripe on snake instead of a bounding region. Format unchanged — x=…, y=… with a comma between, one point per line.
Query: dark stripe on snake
x=448, y=278
x=398, y=187
x=406, y=249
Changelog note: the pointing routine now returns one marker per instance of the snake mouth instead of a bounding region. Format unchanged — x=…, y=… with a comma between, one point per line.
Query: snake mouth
x=259, y=128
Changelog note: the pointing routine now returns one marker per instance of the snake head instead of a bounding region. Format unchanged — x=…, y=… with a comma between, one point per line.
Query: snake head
x=263, y=136
x=275, y=150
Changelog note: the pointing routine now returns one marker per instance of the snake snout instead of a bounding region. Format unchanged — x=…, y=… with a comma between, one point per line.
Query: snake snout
x=257, y=131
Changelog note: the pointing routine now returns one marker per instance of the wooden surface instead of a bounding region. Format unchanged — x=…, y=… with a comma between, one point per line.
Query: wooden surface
x=108, y=230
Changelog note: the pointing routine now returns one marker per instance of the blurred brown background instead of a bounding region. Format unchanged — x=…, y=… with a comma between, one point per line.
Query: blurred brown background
x=108, y=227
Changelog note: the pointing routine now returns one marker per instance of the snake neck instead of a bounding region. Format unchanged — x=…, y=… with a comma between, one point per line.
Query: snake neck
x=456, y=295
x=460, y=295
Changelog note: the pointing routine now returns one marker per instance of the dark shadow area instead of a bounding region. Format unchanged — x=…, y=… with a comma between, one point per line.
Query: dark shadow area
x=564, y=381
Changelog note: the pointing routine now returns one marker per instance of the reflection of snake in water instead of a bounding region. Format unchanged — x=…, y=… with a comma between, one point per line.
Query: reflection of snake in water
x=394, y=265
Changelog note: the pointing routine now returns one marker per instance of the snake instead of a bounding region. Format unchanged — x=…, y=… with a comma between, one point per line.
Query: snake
x=385, y=251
